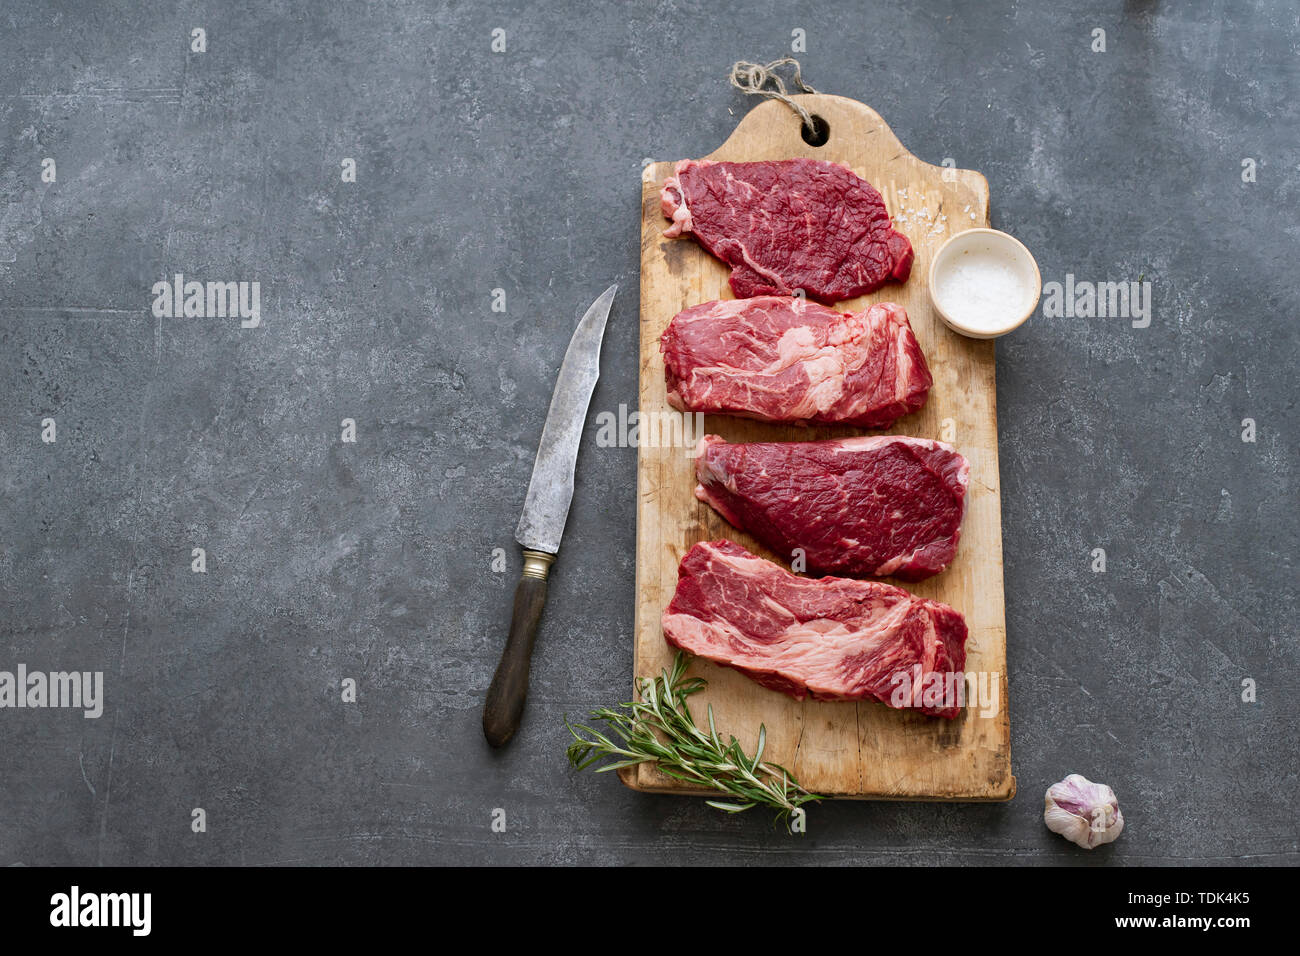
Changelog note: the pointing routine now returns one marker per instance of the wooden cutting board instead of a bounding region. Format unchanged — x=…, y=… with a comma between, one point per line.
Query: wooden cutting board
x=844, y=749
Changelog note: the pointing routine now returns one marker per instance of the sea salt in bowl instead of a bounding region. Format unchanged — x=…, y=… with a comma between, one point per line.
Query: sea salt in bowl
x=984, y=283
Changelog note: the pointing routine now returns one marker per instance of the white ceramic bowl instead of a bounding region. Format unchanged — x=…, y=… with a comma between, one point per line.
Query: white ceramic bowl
x=1008, y=266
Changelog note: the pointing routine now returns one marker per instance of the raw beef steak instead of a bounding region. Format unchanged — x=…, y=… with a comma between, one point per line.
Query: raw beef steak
x=857, y=506
x=832, y=638
x=784, y=359
x=787, y=225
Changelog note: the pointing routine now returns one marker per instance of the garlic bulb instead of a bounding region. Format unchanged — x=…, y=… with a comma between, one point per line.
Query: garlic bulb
x=1083, y=812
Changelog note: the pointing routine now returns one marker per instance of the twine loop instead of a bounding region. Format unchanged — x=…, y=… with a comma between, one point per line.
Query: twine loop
x=754, y=78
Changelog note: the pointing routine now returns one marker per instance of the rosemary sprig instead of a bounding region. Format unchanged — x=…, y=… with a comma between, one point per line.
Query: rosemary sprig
x=659, y=729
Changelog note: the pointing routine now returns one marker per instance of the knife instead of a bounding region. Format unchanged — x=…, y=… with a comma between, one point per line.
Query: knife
x=542, y=524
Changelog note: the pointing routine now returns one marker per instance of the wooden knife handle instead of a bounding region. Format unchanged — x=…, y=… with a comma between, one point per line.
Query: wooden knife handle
x=505, y=698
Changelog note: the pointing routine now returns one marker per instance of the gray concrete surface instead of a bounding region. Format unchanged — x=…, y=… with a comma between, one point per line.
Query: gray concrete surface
x=519, y=171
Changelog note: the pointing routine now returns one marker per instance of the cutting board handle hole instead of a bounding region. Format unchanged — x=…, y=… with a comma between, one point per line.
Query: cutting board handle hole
x=818, y=135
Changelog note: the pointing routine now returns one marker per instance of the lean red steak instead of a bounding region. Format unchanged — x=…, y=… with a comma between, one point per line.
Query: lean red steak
x=829, y=638
x=788, y=224
x=785, y=359
x=884, y=505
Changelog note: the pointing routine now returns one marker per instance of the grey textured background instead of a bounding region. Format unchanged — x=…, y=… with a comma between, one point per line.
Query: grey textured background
x=521, y=171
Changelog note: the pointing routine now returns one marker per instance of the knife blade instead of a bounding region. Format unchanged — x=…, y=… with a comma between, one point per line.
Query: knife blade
x=550, y=491
x=546, y=509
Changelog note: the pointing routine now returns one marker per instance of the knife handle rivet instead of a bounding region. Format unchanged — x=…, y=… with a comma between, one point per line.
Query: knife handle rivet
x=537, y=564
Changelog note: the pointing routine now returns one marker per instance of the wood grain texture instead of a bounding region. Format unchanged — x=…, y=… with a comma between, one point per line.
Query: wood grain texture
x=843, y=749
